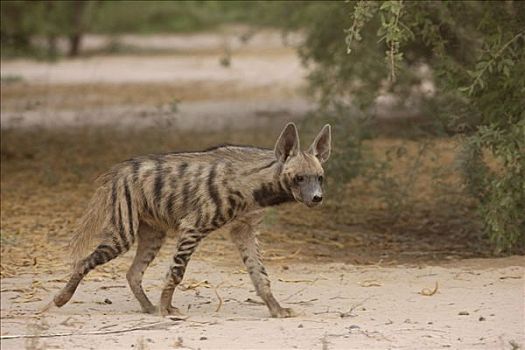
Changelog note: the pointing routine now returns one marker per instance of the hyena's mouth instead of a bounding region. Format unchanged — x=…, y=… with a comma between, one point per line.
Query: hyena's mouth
x=311, y=204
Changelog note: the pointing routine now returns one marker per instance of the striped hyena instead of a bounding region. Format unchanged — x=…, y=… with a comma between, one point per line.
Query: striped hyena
x=194, y=193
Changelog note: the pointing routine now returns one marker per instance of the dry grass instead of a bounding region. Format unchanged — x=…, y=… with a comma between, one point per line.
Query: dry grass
x=22, y=97
x=46, y=180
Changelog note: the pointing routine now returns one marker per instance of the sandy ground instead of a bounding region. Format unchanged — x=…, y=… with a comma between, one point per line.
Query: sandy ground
x=187, y=85
x=478, y=305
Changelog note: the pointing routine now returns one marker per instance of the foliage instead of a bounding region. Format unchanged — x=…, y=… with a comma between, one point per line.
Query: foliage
x=187, y=16
x=24, y=21
x=476, y=53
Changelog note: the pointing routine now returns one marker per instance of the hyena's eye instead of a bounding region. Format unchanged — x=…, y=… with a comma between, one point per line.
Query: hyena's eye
x=320, y=179
x=299, y=178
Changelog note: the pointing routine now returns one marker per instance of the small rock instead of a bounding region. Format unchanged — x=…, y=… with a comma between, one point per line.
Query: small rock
x=463, y=313
x=481, y=318
x=203, y=338
x=300, y=325
x=107, y=301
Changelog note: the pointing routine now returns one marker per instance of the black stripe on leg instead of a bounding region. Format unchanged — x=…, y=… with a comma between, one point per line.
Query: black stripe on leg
x=111, y=251
x=96, y=258
x=106, y=256
x=116, y=242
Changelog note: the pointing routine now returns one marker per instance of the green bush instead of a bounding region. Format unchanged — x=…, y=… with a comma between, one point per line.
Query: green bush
x=476, y=54
x=22, y=21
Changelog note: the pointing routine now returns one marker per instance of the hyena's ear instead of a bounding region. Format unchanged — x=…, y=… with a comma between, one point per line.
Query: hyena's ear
x=288, y=143
x=322, y=144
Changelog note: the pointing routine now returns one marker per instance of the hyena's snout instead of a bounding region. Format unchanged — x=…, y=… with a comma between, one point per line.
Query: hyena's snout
x=318, y=198
x=312, y=195
x=315, y=200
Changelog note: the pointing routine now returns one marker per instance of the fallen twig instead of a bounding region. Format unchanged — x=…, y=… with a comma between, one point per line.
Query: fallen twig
x=253, y=301
x=370, y=283
x=139, y=328
x=349, y=313
x=273, y=258
x=300, y=290
x=303, y=301
x=295, y=281
x=218, y=297
x=513, y=277
x=195, y=285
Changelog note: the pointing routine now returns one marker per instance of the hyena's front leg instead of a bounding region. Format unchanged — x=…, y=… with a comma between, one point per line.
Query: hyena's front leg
x=187, y=244
x=243, y=234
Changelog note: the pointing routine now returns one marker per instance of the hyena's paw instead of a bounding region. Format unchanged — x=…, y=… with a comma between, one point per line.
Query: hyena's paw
x=152, y=310
x=170, y=311
x=283, y=312
x=47, y=307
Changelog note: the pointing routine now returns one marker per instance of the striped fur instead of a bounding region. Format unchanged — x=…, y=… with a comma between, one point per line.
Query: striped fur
x=195, y=194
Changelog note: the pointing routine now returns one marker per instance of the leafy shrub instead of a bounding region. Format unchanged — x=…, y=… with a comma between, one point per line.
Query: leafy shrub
x=476, y=54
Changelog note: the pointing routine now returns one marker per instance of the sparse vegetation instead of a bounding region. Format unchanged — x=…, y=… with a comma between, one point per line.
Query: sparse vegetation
x=425, y=103
x=475, y=52
x=471, y=54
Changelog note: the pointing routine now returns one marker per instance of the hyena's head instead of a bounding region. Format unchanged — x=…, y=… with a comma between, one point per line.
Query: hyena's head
x=302, y=170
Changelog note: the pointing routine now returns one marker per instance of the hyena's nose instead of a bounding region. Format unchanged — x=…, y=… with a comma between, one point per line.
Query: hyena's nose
x=317, y=199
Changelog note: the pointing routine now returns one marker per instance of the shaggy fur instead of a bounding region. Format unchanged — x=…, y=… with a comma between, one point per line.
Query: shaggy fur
x=195, y=194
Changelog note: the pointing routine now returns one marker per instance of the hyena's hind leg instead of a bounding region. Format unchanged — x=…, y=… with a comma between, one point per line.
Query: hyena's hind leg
x=103, y=253
x=148, y=245
x=243, y=233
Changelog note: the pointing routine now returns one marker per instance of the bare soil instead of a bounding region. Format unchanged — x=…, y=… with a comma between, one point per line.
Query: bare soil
x=475, y=306
x=362, y=273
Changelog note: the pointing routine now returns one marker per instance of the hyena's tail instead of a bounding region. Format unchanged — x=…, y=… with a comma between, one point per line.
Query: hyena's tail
x=113, y=234
x=89, y=230
x=87, y=233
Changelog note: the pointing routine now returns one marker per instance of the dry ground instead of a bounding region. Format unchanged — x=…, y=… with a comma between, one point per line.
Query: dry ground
x=476, y=306
x=358, y=272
